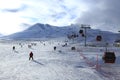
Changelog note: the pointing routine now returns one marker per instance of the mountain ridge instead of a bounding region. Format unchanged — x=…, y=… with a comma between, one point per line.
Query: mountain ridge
x=39, y=30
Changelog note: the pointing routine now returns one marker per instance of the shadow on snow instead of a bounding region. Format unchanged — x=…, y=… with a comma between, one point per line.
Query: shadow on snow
x=38, y=62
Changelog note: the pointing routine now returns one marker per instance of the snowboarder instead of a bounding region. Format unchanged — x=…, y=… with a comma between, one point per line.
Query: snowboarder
x=31, y=55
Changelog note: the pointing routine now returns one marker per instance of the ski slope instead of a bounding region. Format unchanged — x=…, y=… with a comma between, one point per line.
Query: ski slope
x=62, y=64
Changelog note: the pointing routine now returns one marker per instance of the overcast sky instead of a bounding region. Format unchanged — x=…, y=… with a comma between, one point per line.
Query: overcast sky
x=17, y=15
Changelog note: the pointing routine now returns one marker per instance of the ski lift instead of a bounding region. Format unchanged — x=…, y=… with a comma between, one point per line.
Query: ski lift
x=81, y=31
x=98, y=38
x=109, y=57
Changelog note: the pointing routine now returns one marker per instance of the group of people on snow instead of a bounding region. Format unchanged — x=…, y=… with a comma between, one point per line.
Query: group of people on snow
x=30, y=54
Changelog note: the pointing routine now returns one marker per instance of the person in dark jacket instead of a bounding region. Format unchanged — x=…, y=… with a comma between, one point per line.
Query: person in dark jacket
x=31, y=55
x=54, y=47
x=13, y=47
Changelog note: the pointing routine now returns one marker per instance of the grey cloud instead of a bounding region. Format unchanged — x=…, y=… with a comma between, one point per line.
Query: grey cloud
x=59, y=15
x=24, y=25
x=23, y=7
x=11, y=10
x=106, y=16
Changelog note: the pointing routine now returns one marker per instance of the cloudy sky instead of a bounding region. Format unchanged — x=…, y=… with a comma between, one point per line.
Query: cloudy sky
x=17, y=15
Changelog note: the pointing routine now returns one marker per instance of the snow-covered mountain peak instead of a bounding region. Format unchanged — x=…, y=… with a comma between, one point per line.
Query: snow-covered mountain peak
x=37, y=26
x=39, y=30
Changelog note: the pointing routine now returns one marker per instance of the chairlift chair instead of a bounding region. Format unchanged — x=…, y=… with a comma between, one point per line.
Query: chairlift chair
x=81, y=31
x=83, y=35
x=98, y=38
x=109, y=57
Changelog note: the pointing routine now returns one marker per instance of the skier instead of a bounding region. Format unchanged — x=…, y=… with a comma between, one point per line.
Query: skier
x=31, y=55
x=54, y=47
x=13, y=47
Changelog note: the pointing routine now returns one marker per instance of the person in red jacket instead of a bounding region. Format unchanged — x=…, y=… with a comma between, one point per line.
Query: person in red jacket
x=31, y=55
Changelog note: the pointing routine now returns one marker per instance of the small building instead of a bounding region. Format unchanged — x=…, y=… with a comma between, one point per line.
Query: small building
x=117, y=43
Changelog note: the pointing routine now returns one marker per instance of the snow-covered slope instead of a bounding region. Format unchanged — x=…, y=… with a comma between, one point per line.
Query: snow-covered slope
x=47, y=31
x=61, y=64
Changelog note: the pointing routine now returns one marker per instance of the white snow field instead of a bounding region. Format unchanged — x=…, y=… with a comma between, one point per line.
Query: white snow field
x=61, y=64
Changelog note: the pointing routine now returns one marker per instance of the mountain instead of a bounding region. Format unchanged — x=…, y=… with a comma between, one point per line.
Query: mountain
x=39, y=31
x=43, y=31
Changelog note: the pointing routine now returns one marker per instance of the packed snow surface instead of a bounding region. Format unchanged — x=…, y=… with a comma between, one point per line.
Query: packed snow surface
x=60, y=64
